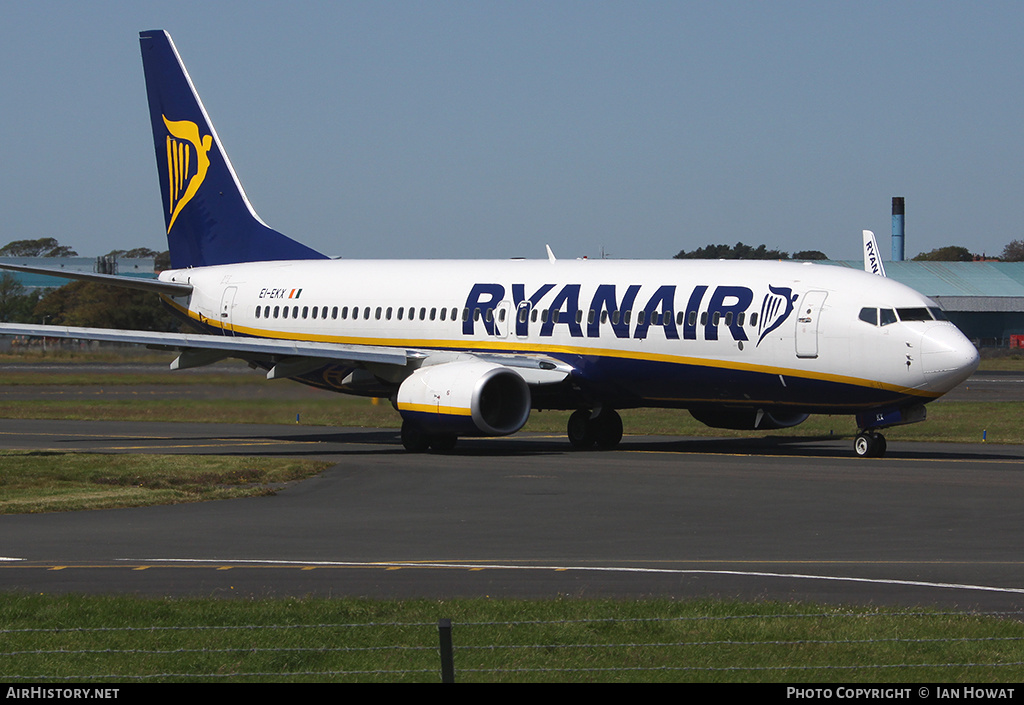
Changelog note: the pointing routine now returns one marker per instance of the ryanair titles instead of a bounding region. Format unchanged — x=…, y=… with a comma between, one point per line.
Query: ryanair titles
x=703, y=308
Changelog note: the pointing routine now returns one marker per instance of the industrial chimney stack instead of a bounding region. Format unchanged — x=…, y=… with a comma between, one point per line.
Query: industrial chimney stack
x=897, y=228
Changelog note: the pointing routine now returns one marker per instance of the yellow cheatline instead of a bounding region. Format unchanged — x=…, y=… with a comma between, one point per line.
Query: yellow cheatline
x=541, y=348
x=435, y=409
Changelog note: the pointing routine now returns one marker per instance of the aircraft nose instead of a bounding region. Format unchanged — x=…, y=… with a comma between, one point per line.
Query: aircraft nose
x=947, y=356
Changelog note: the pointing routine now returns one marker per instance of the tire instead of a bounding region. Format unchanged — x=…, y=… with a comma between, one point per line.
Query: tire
x=870, y=445
x=443, y=442
x=608, y=429
x=580, y=430
x=414, y=439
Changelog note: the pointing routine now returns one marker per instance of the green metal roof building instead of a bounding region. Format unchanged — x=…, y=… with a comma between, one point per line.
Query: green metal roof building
x=984, y=299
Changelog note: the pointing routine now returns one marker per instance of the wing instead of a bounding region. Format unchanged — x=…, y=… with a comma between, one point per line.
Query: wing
x=291, y=358
x=288, y=358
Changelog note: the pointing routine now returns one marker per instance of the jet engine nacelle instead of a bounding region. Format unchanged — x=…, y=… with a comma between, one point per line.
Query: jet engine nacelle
x=746, y=419
x=465, y=398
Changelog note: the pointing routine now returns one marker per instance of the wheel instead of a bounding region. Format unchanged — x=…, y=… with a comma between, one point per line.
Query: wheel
x=443, y=442
x=881, y=445
x=607, y=429
x=862, y=445
x=580, y=430
x=870, y=445
x=414, y=439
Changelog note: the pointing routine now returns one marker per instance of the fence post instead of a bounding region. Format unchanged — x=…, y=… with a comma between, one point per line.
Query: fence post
x=444, y=633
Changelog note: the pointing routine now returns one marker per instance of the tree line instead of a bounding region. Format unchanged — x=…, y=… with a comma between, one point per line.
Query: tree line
x=1012, y=252
x=81, y=303
x=741, y=251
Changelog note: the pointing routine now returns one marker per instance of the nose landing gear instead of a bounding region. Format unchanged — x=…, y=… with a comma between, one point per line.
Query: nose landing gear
x=869, y=444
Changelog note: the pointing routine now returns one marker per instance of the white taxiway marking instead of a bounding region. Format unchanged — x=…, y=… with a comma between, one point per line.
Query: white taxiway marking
x=602, y=569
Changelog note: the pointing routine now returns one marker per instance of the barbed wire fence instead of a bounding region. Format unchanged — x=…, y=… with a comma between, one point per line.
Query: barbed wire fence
x=447, y=651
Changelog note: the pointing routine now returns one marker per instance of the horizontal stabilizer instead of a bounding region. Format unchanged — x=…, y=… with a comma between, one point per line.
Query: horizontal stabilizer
x=153, y=285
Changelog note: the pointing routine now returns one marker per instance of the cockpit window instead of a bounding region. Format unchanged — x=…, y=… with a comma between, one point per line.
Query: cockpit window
x=914, y=314
x=886, y=316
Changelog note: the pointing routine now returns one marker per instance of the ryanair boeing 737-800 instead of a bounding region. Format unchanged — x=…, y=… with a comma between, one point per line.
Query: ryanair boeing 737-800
x=472, y=348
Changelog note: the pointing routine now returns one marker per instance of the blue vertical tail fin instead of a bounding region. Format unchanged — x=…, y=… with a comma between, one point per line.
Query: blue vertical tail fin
x=208, y=217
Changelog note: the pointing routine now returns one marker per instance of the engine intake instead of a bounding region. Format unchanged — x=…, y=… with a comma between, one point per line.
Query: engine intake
x=465, y=398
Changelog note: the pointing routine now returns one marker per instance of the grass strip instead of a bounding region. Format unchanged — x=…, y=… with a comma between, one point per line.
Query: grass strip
x=961, y=422
x=126, y=639
x=45, y=481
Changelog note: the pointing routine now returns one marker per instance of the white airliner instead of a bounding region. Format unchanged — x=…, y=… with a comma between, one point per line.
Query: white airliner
x=469, y=348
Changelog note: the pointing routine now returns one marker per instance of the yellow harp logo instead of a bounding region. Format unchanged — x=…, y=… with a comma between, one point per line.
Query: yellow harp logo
x=187, y=164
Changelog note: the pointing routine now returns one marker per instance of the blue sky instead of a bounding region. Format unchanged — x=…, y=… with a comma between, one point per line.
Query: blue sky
x=489, y=129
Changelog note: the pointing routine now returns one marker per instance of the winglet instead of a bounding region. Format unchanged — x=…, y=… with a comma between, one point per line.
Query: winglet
x=551, y=255
x=872, y=260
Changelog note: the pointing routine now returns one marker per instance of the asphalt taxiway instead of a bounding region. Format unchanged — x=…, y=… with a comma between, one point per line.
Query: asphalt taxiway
x=937, y=524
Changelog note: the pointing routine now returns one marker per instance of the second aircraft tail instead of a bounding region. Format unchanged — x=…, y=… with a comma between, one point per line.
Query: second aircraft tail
x=208, y=217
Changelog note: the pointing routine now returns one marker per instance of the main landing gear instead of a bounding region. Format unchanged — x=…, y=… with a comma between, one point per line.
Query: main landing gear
x=416, y=440
x=869, y=444
x=587, y=429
